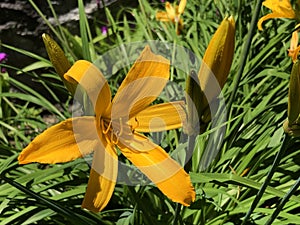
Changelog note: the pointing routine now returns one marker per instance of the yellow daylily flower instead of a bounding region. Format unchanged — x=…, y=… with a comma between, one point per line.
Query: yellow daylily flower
x=172, y=14
x=117, y=125
x=280, y=9
x=284, y=9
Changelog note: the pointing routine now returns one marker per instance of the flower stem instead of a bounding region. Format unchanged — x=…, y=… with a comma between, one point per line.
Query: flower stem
x=276, y=162
x=245, y=52
x=177, y=212
x=283, y=201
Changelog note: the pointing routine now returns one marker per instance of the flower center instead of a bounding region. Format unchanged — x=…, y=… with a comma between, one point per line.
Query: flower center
x=115, y=129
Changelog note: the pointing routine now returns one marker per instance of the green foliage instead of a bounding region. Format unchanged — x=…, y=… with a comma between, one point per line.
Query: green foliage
x=226, y=188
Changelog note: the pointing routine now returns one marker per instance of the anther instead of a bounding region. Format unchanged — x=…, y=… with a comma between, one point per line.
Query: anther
x=107, y=129
x=112, y=138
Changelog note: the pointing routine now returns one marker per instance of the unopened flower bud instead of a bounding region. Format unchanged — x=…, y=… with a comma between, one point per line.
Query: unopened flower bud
x=217, y=61
x=59, y=61
x=294, y=94
x=194, y=100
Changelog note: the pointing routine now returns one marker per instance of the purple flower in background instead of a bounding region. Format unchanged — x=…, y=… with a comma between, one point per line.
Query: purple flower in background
x=3, y=59
x=104, y=30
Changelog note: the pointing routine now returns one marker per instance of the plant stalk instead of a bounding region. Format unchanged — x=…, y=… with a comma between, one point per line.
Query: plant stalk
x=269, y=177
x=284, y=200
x=245, y=52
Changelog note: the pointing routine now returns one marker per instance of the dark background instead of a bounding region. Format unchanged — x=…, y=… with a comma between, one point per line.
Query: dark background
x=22, y=27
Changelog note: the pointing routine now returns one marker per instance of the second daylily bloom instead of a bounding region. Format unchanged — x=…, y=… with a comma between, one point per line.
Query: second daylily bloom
x=116, y=126
x=284, y=9
x=172, y=14
x=280, y=9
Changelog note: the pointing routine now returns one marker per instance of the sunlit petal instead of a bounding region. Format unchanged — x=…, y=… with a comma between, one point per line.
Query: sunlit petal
x=294, y=54
x=162, y=16
x=294, y=48
x=170, y=11
x=280, y=9
x=160, y=117
x=93, y=82
x=181, y=6
x=266, y=17
x=60, y=144
x=160, y=168
x=143, y=83
x=102, y=179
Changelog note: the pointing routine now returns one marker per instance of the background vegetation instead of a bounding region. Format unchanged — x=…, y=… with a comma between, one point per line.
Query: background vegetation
x=52, y=194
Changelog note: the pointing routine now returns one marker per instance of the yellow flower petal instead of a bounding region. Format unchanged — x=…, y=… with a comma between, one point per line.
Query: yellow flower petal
x=280, y=9
x=159, y=167
x=160, y=117
x=294, y=48
x=94, y=83
x=181, y=6
x=266, y=17
x=102, y=179
x=170, y=11
x=294, y=54
x=60, y=144
x=162, y=16
x=143, y=83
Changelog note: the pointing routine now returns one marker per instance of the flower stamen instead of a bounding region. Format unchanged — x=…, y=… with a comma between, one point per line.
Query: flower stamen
x=105, y=131
x=115, y=142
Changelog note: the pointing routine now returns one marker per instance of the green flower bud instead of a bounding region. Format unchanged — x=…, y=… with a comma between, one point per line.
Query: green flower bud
x=214, y=71
x=59, y=61
x=217, y=60
x=294, y=94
